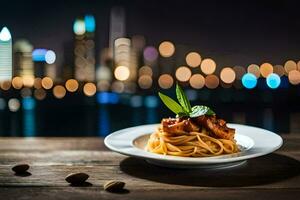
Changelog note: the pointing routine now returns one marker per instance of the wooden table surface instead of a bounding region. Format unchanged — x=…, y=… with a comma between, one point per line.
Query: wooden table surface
x=275, y=176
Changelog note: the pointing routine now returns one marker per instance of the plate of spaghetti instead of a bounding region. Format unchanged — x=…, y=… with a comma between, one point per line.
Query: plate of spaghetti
x=196, y=137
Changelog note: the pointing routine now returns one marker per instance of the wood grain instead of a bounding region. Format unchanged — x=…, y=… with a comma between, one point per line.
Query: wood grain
x=276, y=176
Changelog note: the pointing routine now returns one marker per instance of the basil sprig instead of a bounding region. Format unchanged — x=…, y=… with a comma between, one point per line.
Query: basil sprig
x=183, y=108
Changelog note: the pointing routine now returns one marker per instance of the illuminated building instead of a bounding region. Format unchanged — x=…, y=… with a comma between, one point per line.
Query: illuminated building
x=117, y=26
x=23, y=63
x=5, y=55
x=84, y=48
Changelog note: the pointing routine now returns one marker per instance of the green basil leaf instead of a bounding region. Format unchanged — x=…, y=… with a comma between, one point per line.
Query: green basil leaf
x=171, y=104
x=182, y=115
x=182, y=99
x=201, y=110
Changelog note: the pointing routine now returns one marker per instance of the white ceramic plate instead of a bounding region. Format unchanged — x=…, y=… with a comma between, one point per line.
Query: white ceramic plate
x=253, y=142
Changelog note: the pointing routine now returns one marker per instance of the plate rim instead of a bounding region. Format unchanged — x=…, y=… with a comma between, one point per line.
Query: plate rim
x=189, y=160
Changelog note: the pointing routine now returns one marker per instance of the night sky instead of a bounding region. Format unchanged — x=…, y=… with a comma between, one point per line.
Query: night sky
x=233, y=32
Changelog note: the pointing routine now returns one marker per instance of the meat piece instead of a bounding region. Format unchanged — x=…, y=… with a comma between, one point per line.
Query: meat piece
x=178, y=125
x=216, y=126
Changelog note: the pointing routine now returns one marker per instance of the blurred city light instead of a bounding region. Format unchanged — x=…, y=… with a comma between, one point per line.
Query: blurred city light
x=227, y=75
x=151, y=101
x=193, y=59
x=71, y=85
x=166, y=49
x=17, y=82
x=249, y=81
x=294, y=77
x=50, y=57
x=90, y=23
x=165, y=81
x=5, y=35
x=79, y=27
x=38, y=55
x=59, y=91
x=40, y=94
x=266, y=69
x=197, y=81
x=122, y=73
x=14, y=105
x=145, y=81
x=273, y=81
x=28, y=103
x=150, y=54
x=208, y=66
x=290, y=65
x=183, y=73
x=28, y=81
x=254, y=69
x=47, y=83
x=107, y=98
x=89, y=89
x=5, y=85
x=145, y=70
x=212, y=81
x=278, y=69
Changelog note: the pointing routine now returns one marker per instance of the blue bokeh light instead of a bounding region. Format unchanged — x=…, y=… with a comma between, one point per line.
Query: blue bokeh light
x=107, y=98
x=273, y=81
x=249, y=81
x=28, y=103
x=39, y=55
x=151, y=101
x=90, y=23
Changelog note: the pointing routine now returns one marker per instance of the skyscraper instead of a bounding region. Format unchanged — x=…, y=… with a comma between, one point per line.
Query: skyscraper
x=5, y=55
x=84, y=50
x=117, y=27
x=23, y=64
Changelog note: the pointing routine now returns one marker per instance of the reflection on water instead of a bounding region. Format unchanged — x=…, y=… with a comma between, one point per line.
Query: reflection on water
x=100, y=120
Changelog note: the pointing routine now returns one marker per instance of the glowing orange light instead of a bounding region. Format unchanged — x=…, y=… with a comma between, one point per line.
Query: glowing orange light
x=183, y=74
x=17, y=82
x=208, y=66
x=294, y=77
x=40, y=94
x=266, y=69
x=166, y=49
x=290, y=65
x=71, y=85
x=59, y=91
x=193, y=59
x=28, y=81
x=227, y=75
x=145, y=81
x=278, y=69
x=145, y=70
x=89, y=89
x=165, y=81
x=5, y=85
x=211, y=81
x=254, y=69
x=197, y=81
x=37, y=83
x=47, y=83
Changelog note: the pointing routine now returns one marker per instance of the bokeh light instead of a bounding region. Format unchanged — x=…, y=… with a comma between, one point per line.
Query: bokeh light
x=90, y=23
x=59, y=91
x=122, y=73
x=290, y=65
x=145, y=70
x=294, y=77
x=183, y=73
x=14, y=105
x=47, y=83
x=37, y=83
x=211, y=81
x=278, y=69
x=227, y=75
x=208, y=66
x=50, y=57
x=145, y=81
x=239, y=72
x=5, y=85
x=26, y=92
x=40, y=94
x=166, y=49
x=150, y=54
x=79, y=27
x=72, y=85
x=28, y=81
x=254, y=69
x=165, y=81
x=266, y=69
x=193, y=59
x=197, y=81
x=118, y=86
x=273, y=81
x=298, y=65
x=17, y=82
x=103, y=85
x=89, y=89
x=249, y=81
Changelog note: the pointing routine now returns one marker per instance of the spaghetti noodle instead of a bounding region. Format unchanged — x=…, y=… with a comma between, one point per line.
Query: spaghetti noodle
x=186, y=138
